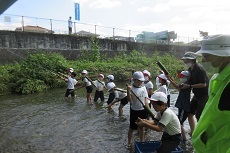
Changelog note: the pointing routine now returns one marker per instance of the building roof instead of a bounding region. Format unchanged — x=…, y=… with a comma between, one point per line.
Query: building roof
x=30, y=28
x=85, y=33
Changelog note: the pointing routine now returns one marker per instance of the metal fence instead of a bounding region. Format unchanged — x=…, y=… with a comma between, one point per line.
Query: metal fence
x=33, y=24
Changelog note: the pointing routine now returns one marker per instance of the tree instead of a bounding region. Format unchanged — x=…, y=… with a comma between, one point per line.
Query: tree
x=203, y=34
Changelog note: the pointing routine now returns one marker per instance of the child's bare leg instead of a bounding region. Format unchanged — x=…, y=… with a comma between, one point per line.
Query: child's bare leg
x=89, y=98
x=142, y=133
x=66, y=99
x=120, y=109
x=130, y=136
x=73, y=97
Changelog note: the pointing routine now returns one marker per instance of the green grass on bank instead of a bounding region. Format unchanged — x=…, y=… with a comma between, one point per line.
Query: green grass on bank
x=38, y=72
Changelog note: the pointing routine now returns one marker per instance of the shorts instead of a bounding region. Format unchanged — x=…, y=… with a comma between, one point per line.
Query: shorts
x=89, y=89
x=169, y=143
x=69, y=92
x=124, y=101
x=168, y=100
x=182, y=115
x=111, y=98
x=194, y=106
x=150, y=105
x=134, y=114
x=197, y=106
x=99, y=94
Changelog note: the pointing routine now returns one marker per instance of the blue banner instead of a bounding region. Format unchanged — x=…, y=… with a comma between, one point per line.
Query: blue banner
x=77, y=11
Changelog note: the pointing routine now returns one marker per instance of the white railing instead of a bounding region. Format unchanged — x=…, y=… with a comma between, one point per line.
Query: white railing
x=25, y=23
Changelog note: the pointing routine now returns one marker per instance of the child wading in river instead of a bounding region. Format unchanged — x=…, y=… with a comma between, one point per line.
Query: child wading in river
x=119, y=96
x=87, y=84
x=164, y=83
x=110, y=79
x=136, y=109
x=100, y=84
x=71, y=82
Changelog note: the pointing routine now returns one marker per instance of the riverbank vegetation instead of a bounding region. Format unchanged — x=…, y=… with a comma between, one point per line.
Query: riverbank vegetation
x=39, y=72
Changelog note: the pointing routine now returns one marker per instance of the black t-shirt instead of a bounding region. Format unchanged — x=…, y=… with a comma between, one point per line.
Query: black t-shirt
x=198, y=75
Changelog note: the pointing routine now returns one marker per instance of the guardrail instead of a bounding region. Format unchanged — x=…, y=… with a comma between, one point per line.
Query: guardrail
x=43, y=25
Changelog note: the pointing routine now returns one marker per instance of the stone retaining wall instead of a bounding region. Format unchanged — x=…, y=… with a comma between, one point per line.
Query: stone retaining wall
x=14, y=44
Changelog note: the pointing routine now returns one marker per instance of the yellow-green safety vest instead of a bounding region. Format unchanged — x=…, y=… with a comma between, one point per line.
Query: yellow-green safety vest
x=212, y=133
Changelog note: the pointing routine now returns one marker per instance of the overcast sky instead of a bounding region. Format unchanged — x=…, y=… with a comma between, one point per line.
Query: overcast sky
x=184, y=17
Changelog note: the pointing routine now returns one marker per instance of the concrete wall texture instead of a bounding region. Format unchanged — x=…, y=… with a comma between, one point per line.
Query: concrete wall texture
x=14, y=45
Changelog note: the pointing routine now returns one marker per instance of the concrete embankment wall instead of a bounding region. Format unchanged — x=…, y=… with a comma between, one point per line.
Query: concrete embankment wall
x=15, y=46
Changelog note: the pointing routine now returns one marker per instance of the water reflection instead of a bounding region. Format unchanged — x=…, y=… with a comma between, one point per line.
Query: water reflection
x=44, y=122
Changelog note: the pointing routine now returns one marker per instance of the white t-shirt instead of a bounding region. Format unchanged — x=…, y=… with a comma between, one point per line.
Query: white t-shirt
x=148, y=85
x=170, y=120
x=98, y=84
x=157, y=82
x=71, y=83
x=119, y=94
x=87, y=82
x=163, y=89
x=141, y=92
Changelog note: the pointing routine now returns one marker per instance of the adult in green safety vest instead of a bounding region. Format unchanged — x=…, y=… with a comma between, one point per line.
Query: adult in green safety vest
x=212, y=133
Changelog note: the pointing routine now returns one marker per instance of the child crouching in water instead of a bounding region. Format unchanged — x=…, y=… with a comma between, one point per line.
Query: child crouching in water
x=165, y=120
x=119, y=96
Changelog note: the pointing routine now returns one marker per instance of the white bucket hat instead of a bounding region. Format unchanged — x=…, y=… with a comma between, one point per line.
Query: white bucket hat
x=138, y=75
x=110, y=86
x=159, y=96
x=218, y=45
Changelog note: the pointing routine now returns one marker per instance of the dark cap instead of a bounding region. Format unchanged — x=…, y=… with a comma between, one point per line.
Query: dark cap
x=73, y=73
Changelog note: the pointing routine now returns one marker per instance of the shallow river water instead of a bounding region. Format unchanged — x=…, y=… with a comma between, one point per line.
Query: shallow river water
x=45, y=122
